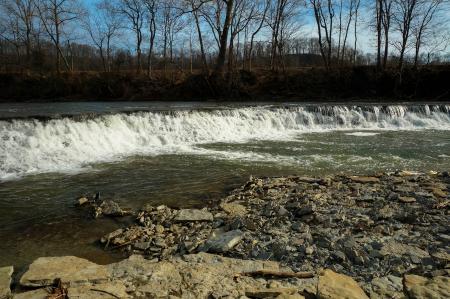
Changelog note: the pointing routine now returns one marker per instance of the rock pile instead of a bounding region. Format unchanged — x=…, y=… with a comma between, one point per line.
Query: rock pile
x=380, y=236
x=374, y=228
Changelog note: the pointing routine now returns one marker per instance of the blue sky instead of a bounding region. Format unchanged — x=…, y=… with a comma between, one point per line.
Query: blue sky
x=366, y=38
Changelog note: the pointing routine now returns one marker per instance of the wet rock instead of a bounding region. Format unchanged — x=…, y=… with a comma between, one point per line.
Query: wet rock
x=5, y=282
x=112, y=208
x=418, y=287
x=194, y=215
x=70, y=269
x=333, y=285
x=82, y=201
x=223, y=241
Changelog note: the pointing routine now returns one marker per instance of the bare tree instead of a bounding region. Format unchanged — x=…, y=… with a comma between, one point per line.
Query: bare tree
x=55, y=15
x=223, y=36
x=324, y=20
x=260, y=19
x=386, y=22
x=403, y=18
x=134, y=11
x=426, y=12
x=152, y=10
x=22, y=14
x=102, y=27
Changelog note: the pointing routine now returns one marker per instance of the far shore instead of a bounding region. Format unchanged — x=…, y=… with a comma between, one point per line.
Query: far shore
x=345, y=84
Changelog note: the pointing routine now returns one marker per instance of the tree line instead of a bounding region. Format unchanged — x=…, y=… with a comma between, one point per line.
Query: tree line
x=217, y=36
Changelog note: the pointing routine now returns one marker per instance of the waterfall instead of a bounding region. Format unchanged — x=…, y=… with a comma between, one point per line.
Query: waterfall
x=29, y=146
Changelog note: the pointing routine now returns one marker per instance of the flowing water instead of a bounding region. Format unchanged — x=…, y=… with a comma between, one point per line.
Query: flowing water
x=182, y=155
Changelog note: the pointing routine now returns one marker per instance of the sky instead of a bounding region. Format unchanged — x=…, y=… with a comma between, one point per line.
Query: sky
x=366, y=37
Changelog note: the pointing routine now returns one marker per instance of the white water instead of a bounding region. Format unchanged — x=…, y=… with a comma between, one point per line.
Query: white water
x=67, y=145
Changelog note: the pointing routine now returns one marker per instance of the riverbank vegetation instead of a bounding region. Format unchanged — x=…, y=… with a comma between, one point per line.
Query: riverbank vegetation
x=239, y=49
x=298, y=84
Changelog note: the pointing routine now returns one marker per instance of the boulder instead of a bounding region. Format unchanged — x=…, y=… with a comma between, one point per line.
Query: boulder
x=333, y=285
x=5, y=281
x=418, y=287
x=70, y=269
x=193, y=215
x=222, y=241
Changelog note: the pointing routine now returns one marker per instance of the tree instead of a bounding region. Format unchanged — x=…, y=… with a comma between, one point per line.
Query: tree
x=426, y=12
x=55, y=16
x=102, y=27
x=324, y=21
x=22, y=15
x=134, y=11
x=386, y=23
x=152, y=9
x=403, y=18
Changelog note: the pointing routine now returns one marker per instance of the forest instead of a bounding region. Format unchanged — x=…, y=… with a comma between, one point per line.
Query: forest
x=216, y=46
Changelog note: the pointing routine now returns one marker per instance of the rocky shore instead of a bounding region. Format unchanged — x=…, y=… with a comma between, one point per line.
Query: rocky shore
x=381, y=236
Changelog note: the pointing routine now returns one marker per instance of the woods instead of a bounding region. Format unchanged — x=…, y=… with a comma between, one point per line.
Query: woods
x=220, y=36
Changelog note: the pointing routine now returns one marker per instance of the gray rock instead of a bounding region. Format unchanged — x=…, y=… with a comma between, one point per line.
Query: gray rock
x=223, y=241
x=5, y=281
x=194, y=215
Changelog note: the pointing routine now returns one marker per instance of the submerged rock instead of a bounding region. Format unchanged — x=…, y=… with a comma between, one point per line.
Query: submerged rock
x=5, y=281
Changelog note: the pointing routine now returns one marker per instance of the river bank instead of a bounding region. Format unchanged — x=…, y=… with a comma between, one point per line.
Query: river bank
x=306, y=84
x=387, y=235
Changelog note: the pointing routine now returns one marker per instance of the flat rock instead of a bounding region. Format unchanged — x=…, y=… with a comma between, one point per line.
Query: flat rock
x=418, y=287
x=333, y=285
x=223, y=241
x=193, y=215
x=396, y=248
x=35, y=294
x=407, y=199
x=5, y=281
x=70, y=269
x=364, y=179
x=109, y=290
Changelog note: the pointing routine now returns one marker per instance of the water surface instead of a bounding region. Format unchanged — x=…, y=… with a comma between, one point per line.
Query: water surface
x=185, y=155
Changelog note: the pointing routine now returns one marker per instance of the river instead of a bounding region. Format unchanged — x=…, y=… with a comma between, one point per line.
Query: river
x=184, y=154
